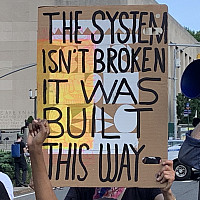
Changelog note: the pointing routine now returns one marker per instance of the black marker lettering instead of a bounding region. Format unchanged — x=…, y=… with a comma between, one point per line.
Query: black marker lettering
x=111, y=55
x=134, y=13
x=97, y=26
x=137, y=154
x=112, y=22
x=44, y=91
x=141, y=23
x=83, y=58
x=62, y=60
x=60, y=162
x=54, y=121
x=70, y=28
x=148, y=90
x=138, y=110
x=120, y=60
x=53, y=61
x=152, y=23
x=93, y=120
x=158, y=59
x=57, y=87
x=50, y=24
x=127, y=165
x=44, y=61
x=74, y=162
x=124, y=27
x=108, y=176
x=81, y=162
x=129, y=93
x=103, y=127
x=77, y=27
x=145, y=58
x=164, y=27
x=98, y=60
x=68, y=124
x=50, y=156
x=134, y=60
x=98, y=84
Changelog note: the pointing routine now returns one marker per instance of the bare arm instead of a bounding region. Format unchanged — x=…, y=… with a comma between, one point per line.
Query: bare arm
x=38, y=132
x=166, y=175
x=25, y=150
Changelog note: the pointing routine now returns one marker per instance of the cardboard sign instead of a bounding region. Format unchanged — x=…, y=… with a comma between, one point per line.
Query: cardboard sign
x=102, y=85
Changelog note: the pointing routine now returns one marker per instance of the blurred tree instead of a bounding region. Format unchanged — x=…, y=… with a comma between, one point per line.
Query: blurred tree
x=30, y=119
x=181, y=106
x=195, y=34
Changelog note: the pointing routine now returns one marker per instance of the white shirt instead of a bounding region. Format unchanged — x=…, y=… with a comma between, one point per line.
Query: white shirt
x=8, y=184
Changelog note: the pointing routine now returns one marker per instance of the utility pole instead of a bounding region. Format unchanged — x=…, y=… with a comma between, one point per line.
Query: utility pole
x=174, y=97
x=34, y=97
x=174, y=78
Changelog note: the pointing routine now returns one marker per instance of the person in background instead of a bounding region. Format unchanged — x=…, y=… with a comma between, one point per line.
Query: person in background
x=6, y=187
x=195, y=121
x=189, y=153
x=20, y=163
x=39, y=131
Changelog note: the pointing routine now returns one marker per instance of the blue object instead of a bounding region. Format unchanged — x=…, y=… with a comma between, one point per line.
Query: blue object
x=15, y=150
x=190, y=80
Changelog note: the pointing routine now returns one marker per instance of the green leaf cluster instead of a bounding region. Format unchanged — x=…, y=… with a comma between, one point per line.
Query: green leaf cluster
x=7, y=164
x=195, y=34
x=181, y=104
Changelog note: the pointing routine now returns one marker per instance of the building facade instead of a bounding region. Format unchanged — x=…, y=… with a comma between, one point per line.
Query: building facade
x=18, y=42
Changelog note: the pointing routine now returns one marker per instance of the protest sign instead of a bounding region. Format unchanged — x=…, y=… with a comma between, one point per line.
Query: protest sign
x=102, y=85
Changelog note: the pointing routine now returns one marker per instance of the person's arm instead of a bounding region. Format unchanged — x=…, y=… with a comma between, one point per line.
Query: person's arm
x=38, y=132
x=189, y=153
x=166, y=175
x=25, y=150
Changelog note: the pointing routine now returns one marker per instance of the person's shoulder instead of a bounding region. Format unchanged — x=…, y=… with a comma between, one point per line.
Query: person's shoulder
x=7, y=184
x=142, y=193
x=22, y=144
x=4, y=178
x=76, y=193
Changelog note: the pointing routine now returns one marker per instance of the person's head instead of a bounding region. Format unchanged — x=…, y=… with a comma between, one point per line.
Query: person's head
x=19, y=137
x=195, y=121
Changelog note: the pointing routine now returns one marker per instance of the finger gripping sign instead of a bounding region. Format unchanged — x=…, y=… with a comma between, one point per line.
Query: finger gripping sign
x=102, y=86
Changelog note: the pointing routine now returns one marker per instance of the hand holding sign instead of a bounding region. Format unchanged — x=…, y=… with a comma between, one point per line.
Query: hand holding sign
x=166, y=174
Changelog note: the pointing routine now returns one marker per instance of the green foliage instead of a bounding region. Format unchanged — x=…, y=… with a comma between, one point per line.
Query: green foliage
x=30, y=119
x=195, y=34
x=194, y=106
x=29, y=171
x=7, y=164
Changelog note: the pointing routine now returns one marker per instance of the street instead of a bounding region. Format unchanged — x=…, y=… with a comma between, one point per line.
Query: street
x=183, y=190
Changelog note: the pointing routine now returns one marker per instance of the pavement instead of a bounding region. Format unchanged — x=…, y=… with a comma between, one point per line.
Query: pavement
x=22, y=190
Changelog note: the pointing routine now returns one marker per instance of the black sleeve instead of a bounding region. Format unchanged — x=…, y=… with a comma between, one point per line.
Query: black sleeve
x=154, y=192
x=79, y=193
x=23, y=145
x=3, y=192
x=141, y=193
x=72, y=194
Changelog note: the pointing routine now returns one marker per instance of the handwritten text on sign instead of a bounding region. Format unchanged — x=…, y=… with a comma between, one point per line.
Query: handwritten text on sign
x=102, y=82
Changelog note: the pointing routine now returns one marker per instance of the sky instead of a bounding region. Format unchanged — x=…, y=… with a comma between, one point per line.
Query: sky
x=186, y=12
